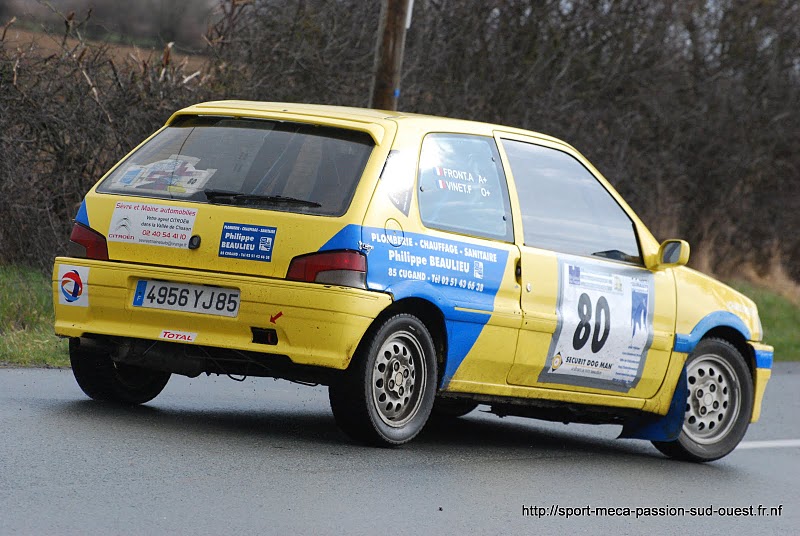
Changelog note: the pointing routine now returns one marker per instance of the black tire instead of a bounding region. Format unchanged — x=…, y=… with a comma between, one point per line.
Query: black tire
x=102, y=379
x=386, y=395
x=452, y=408
x=719, y=405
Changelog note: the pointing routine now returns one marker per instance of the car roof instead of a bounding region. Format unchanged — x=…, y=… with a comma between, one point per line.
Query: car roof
x=363, y=115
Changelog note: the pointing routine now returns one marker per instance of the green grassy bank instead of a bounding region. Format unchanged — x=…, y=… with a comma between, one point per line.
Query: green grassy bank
x=26, y=321
x=780, y=318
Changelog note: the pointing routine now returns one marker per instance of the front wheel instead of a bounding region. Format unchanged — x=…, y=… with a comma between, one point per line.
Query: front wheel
x=103, y=379
x=387, y=393
x=719, y=404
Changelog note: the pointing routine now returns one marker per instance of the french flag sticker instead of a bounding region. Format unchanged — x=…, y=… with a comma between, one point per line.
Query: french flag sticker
x=439, y=171
x=442, y=184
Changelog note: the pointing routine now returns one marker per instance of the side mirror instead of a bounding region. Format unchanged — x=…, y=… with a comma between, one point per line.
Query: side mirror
x=672, y=253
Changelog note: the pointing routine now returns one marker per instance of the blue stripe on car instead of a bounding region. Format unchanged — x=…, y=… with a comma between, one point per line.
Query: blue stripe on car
x=83, y=216
x=763, y=358
x=686, y=343
x=447, y=273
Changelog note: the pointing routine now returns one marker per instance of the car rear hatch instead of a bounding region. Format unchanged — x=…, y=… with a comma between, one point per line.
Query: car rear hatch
x=235, y=194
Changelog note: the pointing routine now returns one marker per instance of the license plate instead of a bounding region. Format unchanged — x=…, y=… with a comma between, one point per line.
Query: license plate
x=189, y=298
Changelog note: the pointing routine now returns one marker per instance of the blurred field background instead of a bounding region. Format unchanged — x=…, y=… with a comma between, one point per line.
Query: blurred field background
x=690, y=108
x=48, y=44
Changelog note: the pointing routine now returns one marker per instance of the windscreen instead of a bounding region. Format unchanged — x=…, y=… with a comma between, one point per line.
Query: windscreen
x=273, y=165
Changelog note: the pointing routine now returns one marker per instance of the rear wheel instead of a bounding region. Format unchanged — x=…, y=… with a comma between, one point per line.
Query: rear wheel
x=719, y=404
x=387, y=393
x=103, y=379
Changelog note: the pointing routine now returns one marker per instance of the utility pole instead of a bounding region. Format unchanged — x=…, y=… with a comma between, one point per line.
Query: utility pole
x=395, y=19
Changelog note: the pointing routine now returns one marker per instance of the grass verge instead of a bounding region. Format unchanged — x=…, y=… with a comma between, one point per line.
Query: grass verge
x=780, y=318
x=26, y=321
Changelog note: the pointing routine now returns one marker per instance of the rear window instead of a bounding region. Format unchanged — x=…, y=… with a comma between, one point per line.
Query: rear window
x=272, y=165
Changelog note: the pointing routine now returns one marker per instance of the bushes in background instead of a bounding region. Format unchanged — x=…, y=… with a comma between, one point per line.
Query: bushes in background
x=691, y=109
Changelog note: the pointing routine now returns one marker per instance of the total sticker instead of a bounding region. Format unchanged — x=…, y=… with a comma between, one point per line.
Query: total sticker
x=182, y=336
x=73, y=284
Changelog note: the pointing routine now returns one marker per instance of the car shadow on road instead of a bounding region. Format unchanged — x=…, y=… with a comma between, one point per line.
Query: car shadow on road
x=492, y=439
x=488, y=431
x=199, y=424
x=285, y=427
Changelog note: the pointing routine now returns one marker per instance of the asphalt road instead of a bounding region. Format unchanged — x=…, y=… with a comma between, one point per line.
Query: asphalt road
x=213, y=456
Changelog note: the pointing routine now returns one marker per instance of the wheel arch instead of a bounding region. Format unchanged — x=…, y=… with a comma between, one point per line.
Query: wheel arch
x=729, y=327
x=722, y=325
x=430, y=315
x=738, y=340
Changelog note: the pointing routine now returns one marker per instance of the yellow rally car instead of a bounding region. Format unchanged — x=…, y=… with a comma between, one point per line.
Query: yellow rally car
x=413, y=264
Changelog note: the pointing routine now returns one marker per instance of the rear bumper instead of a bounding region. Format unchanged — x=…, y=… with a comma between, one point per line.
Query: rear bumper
x=316, y=325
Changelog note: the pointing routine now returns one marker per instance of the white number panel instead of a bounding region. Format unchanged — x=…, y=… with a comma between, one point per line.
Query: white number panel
x=605, y=325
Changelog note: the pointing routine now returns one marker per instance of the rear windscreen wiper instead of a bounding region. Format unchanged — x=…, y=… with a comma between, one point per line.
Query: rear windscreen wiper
x=237, y=198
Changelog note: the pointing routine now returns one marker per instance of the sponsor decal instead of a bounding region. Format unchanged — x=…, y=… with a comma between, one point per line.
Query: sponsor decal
x=250, y=242
x=605, y=326
x=472, y=272
x=453, y=273
x=181, y=336
x=73, y=285
x=152, y=224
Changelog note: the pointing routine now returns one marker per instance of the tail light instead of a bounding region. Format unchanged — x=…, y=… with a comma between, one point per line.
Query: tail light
x=345, y=268
x=87, y=243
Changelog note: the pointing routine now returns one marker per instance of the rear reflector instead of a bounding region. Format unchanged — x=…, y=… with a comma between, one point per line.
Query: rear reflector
x=346, y=268
x=87, y=243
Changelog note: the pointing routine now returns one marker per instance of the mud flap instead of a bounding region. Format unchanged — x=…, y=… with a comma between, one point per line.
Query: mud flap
x=661, y=428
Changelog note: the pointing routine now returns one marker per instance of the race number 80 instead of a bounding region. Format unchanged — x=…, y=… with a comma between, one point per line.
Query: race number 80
x=584, y=330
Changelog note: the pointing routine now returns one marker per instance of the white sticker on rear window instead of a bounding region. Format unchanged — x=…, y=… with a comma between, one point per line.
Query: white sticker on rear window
x=152, y=224
x=176, y=175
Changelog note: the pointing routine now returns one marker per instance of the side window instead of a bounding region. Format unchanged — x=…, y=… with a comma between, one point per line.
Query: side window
x=462, y=187
x=565, y=208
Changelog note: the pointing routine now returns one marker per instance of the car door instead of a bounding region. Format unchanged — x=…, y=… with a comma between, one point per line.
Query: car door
x=594, y=318
x=466, y=241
